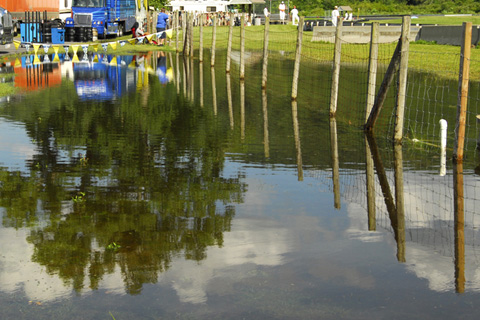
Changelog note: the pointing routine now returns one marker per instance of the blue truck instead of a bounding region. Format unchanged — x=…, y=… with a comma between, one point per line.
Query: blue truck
x=107, y=17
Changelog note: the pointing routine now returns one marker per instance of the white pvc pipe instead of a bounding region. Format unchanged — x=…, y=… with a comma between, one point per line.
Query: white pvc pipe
x=443, y=147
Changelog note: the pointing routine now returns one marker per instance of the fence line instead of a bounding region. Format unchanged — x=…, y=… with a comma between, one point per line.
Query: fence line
x=425, y=92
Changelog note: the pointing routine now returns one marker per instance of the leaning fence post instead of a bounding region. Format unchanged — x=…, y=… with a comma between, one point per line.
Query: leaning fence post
x=214, y=37
x=265, y=53
x=402, y=80
x=372, y=68
x=229, y=46
x=298, y=55
x=242, y=47
x=336, y=69
x=463, y=79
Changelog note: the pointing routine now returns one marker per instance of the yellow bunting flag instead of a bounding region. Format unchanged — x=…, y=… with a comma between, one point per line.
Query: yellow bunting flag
x=95, y=58
x=146, y=78
x=113, y=62
x=139, y=79
x=18, y=63
x=149, y=37
x=17, y=44
x=132, y=41
x=113, y=45
x=75, y=49
x=95, y=47
x=132, y=64
x=35, y=48
x=36, y=60
x=55, y=49
x=169, y=74
x=169, y=33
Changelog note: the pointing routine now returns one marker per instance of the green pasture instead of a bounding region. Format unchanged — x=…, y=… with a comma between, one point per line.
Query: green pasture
x=449, y=20
x=439, y=60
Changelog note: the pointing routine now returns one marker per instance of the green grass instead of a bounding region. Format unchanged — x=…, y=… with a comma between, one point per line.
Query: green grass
x=7, y=88
x=436, y=20
x=439, y=60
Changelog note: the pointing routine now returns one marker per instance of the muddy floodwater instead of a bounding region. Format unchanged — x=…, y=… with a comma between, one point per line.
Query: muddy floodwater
x=155, y=187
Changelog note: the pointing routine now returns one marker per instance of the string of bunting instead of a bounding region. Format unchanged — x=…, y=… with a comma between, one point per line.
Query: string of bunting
x=85, y=47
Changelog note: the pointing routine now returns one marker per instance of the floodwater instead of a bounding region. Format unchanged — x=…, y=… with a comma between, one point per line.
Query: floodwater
x=153, y=187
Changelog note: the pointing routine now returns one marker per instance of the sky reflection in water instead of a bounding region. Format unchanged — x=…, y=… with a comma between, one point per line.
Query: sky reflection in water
x=287, y=252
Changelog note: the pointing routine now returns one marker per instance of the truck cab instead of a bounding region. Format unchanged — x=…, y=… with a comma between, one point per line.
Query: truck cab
x=108, y=17
x=6, y=27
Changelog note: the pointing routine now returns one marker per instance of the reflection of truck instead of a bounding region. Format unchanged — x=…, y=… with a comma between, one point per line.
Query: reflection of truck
x=54, y=8
x=6, y=27
x=104, y=81
x=108, y=17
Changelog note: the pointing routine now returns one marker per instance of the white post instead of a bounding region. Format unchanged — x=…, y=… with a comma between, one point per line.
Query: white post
x=443, y=147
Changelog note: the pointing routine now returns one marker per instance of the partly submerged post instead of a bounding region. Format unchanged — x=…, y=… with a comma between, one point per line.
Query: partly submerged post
x=443, y=147
x=399, y=203
x=176, y=31
x=372, y=68
x=336, y=69
x=335, y=163
x=298, y=55
x=463, y=79
x=242, y=48
x=200, y=49
x=214, y=38
x=266, y=140
x=191, y=33
x=459, y=231
x=402, y=80
x=370, y=174
x=296, y=134
x=229, y=45
x=265, y=53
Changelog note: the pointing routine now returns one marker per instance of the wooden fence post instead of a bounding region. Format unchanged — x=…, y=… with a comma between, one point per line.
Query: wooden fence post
x=336, y=69
x=200, y=49
x=459, y=221
x=372, y=68
x=214, y=38
x=242, y=48
x=298, y=56
x=176, y=31
x=463, y=79
x=184, y=26
x=265, y=53
x=402, y=80
x=335, y=163
x=399, y=203
x=191, y=33
x=229, y=45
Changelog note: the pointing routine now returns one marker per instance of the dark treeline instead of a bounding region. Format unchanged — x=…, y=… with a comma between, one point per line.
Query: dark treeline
x=318, y=7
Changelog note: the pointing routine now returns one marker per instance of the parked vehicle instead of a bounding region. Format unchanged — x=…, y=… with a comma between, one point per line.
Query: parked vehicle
x=55, y=9
x=108, y=17
x=6, y=27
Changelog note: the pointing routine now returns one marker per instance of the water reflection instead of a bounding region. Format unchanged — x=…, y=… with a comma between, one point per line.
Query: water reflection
x=126, y=186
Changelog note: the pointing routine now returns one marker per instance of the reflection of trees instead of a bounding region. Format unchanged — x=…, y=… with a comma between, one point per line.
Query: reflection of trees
x=151, y=178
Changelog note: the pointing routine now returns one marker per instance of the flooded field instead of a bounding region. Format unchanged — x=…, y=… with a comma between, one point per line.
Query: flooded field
x=155, y=187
